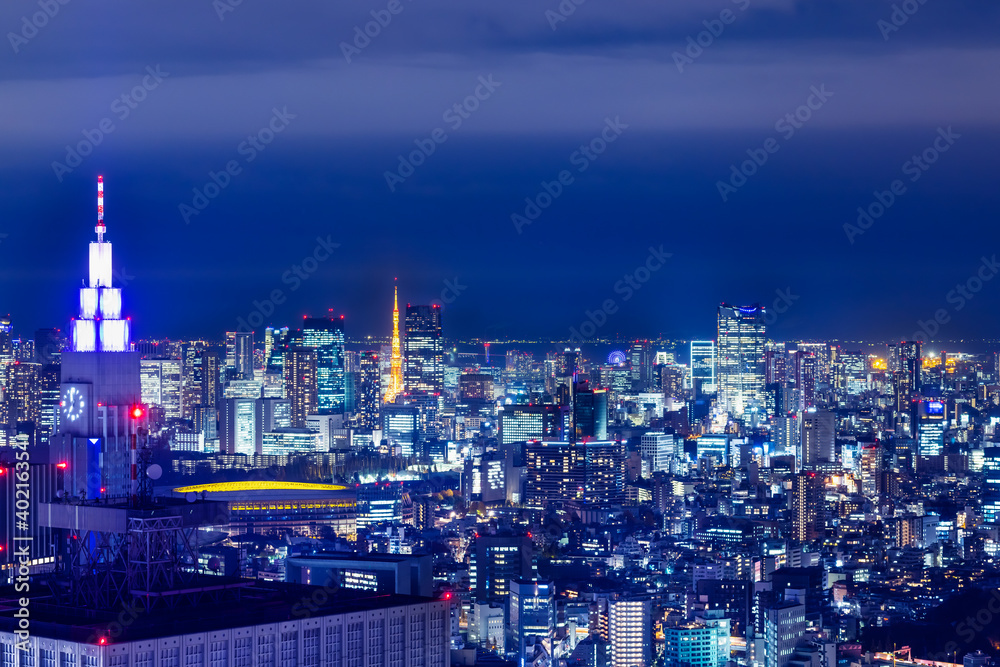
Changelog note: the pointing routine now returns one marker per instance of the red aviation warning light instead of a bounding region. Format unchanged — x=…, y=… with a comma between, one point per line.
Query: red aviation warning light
x=137, y=412
x=62, y=466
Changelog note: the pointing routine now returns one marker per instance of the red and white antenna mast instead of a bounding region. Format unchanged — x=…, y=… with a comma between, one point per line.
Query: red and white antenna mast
x=100, y=210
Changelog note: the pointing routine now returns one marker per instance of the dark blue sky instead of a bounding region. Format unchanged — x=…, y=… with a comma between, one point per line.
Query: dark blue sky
x=324, y=174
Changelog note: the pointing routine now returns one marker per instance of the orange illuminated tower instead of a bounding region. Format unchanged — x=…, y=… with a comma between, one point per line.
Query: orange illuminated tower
x=396, y=372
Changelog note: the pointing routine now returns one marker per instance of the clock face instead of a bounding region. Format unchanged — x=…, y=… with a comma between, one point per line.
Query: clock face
x=72, y=404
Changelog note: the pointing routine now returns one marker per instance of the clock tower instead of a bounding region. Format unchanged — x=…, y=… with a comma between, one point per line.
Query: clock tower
x=100, y=384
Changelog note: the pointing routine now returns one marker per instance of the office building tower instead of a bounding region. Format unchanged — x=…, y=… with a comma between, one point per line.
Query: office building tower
x=590, y=412
x=641, y=357
x=787, y=436
x=521, y=423
x=162, y=385
x=931, y=423
x=239, y=355
x=740, y=366
x=100, y=386
x=806, y=371
x=703, y=365
x=242, y=426
x=906, y=374
x=818, y=438
x=991, y=485
x=807, y=506
x=658, y=448
x=21, y=395
x=558, y=471
x=672, y=380
x=532, y=616
x=299, y=371
x=6, y=340
x=497, y=560
x=630, y=633
x=423, y=363
x=401, y=428
x=326, y=336
x=369, y=387
x=853, y=373
x=703, y=642
x=784, y=626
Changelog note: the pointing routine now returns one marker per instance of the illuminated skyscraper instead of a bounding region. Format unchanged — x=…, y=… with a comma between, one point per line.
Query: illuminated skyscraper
x=6, y=340
x=326, y=336
x=703, y=367
x=424, y=350
x=395, y=387
x=161, y=385
x=300, y=383
x=906, y=373
x=369, y=387
x=100, y=385
x=740, y=373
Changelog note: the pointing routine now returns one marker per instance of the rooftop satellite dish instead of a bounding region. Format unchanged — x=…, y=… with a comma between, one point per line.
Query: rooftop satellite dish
x=154, y=471
x=191, y=496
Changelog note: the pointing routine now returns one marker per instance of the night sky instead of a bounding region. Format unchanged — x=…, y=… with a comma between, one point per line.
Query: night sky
x=887, y=95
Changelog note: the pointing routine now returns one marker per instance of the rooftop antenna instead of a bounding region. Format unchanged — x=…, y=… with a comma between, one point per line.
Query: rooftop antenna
x=100, y=210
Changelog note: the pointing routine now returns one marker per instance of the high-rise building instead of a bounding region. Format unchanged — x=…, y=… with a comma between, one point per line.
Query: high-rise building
x=931, y=422
x=242, y=426
x=299, y=371
x=703, y=642
x=162, y=385
x=807, y=507
x=740, y=375
x=641, y=356
x=520, y=423
x=497, y=560
x=6, y=340
x=557, y=471
x=658, y=447
x=99, y=386
x=326, y=336
x=239, y=355
x=703, y=364
x=630, y=633
x=369, y=387
x=590, y=412
x=818, y=437
x=784, y=626
x=991, y=485
x=532, y=616
x=906, y=373
x=423, y=363
x=22, y=397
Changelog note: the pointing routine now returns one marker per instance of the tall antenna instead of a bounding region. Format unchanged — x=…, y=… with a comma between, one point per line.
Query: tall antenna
x=100, y=210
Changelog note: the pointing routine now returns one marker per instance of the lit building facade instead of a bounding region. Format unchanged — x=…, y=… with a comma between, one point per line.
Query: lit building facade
x=740, y=367
x=326, y=336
